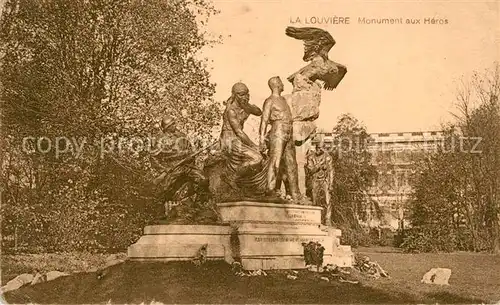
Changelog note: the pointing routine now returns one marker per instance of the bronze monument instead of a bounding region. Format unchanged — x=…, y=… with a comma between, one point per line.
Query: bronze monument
x=317, y=44
x=242, y=170
x=277, y=113
x=320, y=172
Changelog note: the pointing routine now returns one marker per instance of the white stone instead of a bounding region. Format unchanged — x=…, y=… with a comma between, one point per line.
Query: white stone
x=52, y=275
x=438, y=276
x=17, y=282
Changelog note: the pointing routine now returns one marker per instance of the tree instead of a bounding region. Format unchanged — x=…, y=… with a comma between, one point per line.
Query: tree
x=455, y=202
x=99, y=72
x=353, y=175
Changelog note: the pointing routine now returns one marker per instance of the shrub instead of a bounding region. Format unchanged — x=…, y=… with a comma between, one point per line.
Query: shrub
x=355, y=237
x=428, y=239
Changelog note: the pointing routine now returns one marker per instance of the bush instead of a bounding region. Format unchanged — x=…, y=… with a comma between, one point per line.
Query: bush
x=386, y=238
x=428, y=239
x=355, y=237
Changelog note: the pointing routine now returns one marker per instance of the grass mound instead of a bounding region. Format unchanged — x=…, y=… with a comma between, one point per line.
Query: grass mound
x=179, y=282
x=213, y=282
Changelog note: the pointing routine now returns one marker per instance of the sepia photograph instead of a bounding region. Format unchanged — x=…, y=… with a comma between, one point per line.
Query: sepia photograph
x=250, y=152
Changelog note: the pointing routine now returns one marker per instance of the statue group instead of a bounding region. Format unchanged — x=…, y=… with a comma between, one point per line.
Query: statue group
x=238, y=168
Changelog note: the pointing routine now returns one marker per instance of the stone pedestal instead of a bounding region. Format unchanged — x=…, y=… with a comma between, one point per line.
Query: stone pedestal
x=270, y=236
x=260, y=235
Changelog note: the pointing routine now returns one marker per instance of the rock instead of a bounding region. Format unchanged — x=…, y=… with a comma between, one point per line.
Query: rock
x=348, y=281
x=49, y=276
x=302, y=131
x=438, y=276
x=39, y=278
x=291, y=277
x=302, y=83
x=18, y=282
x=304, y=105
x=379, y=269
x=324, y=278
x=52, y=275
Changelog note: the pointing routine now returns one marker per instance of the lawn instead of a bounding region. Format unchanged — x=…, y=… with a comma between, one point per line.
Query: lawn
x=475, y=279
x=474, y=275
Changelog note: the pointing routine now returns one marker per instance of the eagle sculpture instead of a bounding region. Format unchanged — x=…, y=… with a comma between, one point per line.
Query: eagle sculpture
x=317, y=44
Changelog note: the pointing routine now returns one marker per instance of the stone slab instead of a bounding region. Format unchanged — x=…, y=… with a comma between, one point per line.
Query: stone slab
x=182, y=242
x=257, y=212
x=188, y=229
x=174, y=252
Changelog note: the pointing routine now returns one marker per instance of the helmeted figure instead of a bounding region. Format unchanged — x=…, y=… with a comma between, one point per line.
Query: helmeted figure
x=179, y=176
x=236, y=171
x=307, y=174
x=320, y=170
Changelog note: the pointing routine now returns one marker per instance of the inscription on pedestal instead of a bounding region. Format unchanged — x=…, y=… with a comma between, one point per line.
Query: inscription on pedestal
x=275, y=239
x=300, y=215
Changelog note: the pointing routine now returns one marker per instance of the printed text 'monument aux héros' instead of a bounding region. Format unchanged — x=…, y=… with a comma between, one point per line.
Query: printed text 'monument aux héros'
x=363, y=20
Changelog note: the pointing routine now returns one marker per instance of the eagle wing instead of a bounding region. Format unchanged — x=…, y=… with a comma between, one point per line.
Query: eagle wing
x=316, y=41
x=334, y=76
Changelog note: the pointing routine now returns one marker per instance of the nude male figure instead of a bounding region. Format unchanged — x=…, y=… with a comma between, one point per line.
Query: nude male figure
x=277, y=113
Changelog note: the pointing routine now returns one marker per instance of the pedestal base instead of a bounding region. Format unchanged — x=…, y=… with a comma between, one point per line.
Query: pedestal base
x=260, y=235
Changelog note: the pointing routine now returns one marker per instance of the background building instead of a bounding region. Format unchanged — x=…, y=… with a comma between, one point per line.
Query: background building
x=394, y=156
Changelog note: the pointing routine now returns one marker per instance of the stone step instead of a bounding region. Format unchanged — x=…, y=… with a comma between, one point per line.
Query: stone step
x=187, y=229
x=175, y=251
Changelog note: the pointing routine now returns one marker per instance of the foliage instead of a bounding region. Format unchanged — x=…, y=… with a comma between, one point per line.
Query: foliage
x=429, y=239
x=97, y=72
x=455, y=203
x=353, y=174
x=355, y=237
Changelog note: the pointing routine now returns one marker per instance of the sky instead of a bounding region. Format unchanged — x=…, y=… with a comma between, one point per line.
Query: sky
x=401, y=77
